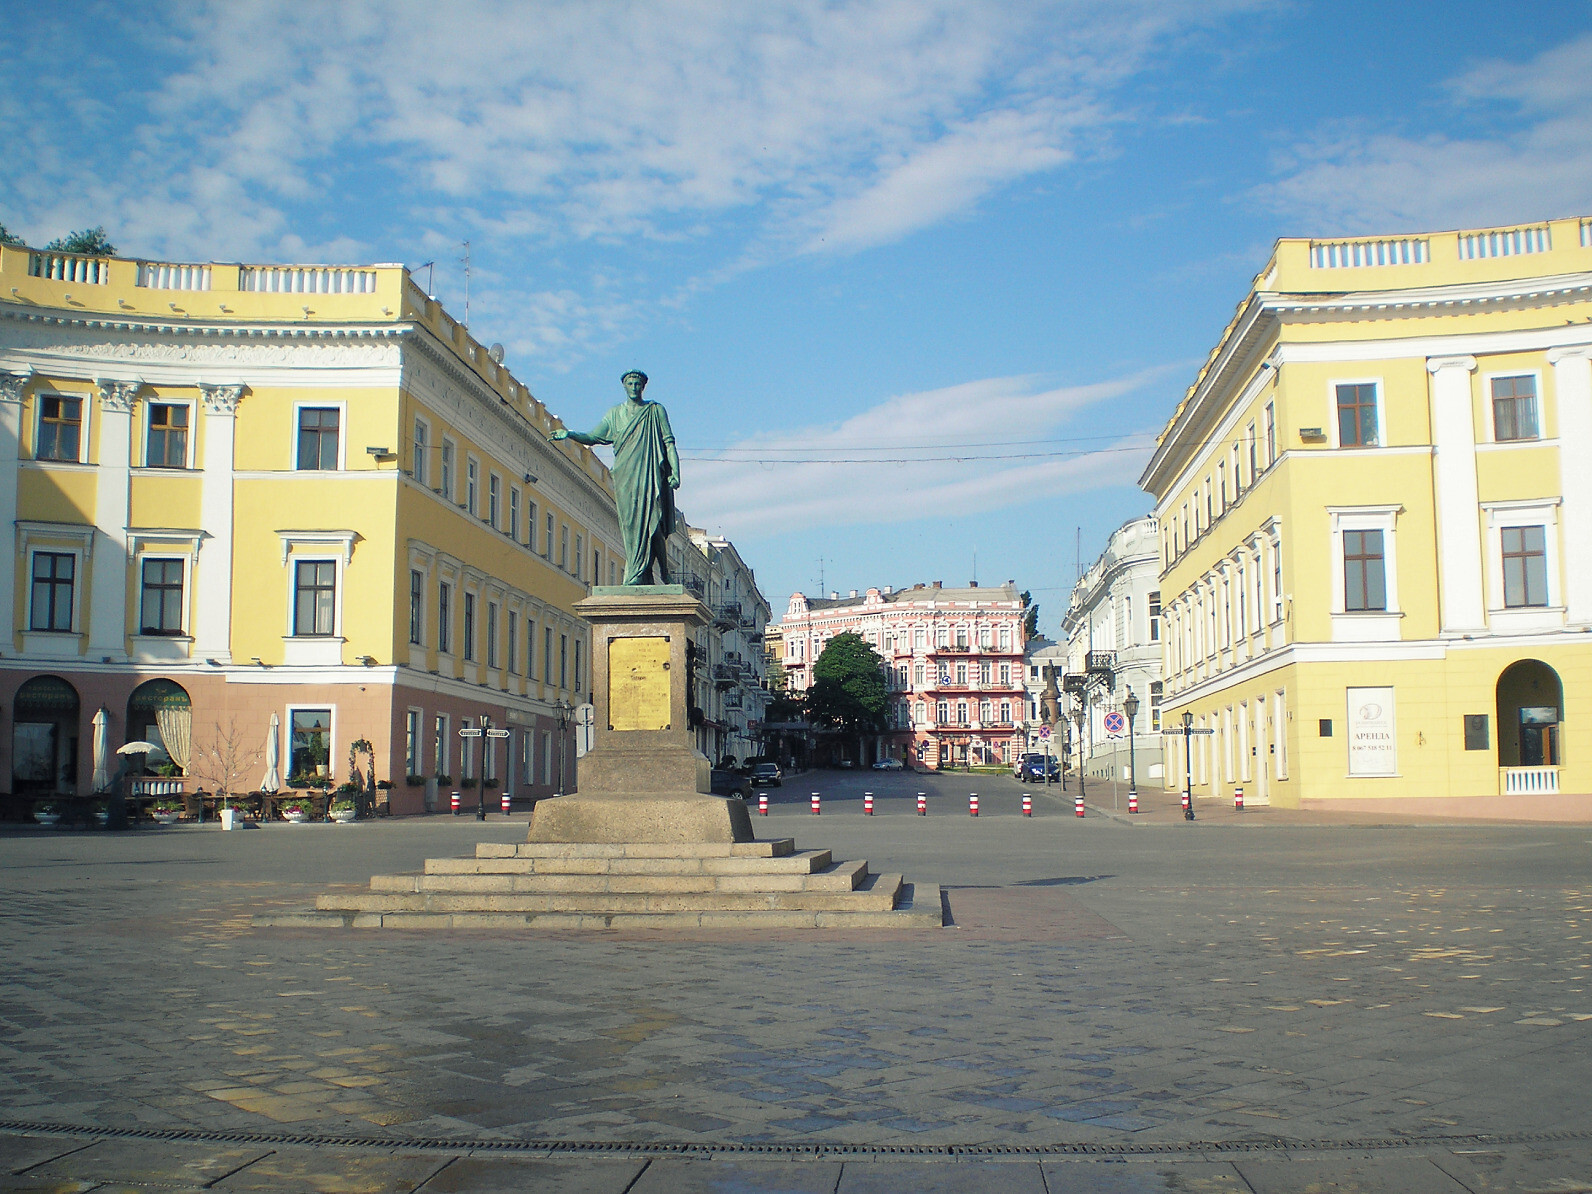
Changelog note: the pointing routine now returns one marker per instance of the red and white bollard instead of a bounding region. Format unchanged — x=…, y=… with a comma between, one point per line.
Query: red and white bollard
x=1028, y=805
x=454, y=801
x=762, y=803
x=1077, y=805
x=972, y=804
x=506, y=803
x=867, y=804
x=815, y=805
x=1185, y=800
x=1133, y=802
x=1238, y=800
x=923, y=805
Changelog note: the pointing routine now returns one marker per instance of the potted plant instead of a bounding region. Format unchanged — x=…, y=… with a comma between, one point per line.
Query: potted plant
x=166, y=811
x=414, y=781
x=47, y=812
x=101, y=812
x=344, y=808
x=296, y=811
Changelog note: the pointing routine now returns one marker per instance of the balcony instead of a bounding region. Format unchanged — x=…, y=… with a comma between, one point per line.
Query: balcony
x=1100, y=662
x=695, y=585
x=728, y=615
x=723, y=675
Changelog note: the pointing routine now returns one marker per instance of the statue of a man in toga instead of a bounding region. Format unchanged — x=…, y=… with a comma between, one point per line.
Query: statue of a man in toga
x=646, y=473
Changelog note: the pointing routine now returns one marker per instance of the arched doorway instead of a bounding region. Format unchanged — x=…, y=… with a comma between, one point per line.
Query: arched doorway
x=1530, y=709
x=159, y=711
x=44, y=729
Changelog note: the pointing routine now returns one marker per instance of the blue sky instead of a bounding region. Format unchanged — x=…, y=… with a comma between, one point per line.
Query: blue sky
x=915, y=280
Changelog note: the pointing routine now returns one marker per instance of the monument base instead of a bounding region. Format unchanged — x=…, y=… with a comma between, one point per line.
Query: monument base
x=687, y=817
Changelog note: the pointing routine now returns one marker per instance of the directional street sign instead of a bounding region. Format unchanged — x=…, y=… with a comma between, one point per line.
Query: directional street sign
x=1115, y=723
x=469, y=732
x=1178, y=733
x=497, y=733
x=585, y=729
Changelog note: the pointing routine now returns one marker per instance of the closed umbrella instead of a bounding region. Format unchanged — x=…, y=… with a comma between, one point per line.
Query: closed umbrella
x=102, y=758
x=273, y=748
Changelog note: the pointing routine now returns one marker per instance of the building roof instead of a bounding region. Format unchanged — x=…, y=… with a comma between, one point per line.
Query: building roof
x=919, y=594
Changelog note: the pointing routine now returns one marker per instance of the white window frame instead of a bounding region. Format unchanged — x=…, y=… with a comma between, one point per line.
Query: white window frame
x=1492, y=422
x=285, y=763
x=1543, y=512
x=1362, y=626
x=515, y=498
x=79, y=588
x=448, y=468
x=342, y=442
x=193, y=432
x=1381, y=413
x=87, y=401
x=419, y=715
x=472, y=482
x=136, y=630
x=419, y=462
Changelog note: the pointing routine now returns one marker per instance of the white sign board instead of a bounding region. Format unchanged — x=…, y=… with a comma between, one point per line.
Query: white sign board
x=1373, y=742
x=585, y=729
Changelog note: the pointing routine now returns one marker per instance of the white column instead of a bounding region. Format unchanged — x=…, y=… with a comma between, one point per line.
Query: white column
x=12, y=386
x=213, y=582
x=107, y=630
x=1460, y=593
x=1572, y=375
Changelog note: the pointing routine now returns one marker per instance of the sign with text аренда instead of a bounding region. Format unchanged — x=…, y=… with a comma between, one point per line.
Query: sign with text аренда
x=1373, y=745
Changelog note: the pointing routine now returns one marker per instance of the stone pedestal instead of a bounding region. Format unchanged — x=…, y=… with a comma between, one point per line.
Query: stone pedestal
x=644, y=779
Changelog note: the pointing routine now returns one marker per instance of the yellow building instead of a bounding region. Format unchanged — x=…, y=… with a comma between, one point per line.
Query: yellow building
x=1375, y=510
x=240, y=491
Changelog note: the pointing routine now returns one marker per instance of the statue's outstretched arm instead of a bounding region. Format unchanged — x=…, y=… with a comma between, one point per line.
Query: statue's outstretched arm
x=672, y=456
x=580, y=437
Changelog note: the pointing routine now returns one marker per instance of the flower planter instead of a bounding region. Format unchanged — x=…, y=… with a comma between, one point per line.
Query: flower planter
x=166, y=818
x=296, y=817
x=229, y=818
x=47, y=818
x=343, y=816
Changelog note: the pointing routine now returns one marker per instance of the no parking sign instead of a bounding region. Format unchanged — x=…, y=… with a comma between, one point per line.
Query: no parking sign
x=1115, y=723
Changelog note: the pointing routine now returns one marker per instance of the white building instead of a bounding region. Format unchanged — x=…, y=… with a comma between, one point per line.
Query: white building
x=1113, y=645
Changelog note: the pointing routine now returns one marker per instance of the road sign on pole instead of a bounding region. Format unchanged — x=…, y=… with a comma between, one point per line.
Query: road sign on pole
x=469, y=732
x=497, y=733
x=1115, y=722
x=585, y=729
x=1044, y=731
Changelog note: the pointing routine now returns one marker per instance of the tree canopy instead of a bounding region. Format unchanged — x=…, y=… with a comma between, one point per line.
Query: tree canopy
x=7, y=237
x=848, y=690
x=1030, y=616
x=92, y=241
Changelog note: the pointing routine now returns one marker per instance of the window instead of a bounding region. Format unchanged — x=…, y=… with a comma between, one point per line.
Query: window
x=493, y=496
x=984, y=712
x=1276, y=580
x=514, y=514
x=60, y=427
x=1514, y=402
x=1364, y=572
x=1155, y=617
x=918, y=639
x=580, y=551
x=1006, y=675
x=491, y=634
x=445, y=481
x=472, y=483
x=469, y=626
x=1249, y=444
x=1006, y=638
x=314, y=597
x=514, y=645
x=310, y=738
x=1155, y=705
x=1357, y=415
x=54, y=576
x=1525, y=551
x=961, y=675
x=578, y=685
x=530, y=648
x=547, y=543
x=160, y=599
x=547, y=655
x=942, y=712
x=1006, y=713
x=439, y=746
x=1271, y=434
x=917, y=674
x=961, y=713
x=317, y=437
x=563, y=546
x=596, y=567
x=563, y=661
x=984, y=639
x=417, y=606
x=412, y=742
x=1221, y=481
x=168, y=436
x=445, y=618
x=417, y=458
x=611, y=578
x=983, y=675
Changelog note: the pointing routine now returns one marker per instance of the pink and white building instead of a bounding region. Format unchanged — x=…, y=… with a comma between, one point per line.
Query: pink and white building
x=953, y=658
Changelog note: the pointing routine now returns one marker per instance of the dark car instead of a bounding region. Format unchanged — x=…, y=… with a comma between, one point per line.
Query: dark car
x=729, y=783
x=766, y=775
x=1040, y=769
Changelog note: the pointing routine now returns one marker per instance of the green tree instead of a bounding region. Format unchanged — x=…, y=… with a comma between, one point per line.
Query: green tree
x=1030, y=616
x=7, y=237
x=848, y=691
x=87, y=240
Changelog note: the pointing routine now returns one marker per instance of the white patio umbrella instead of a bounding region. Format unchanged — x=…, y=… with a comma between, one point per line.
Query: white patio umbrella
x=273, y=748
x=136, y=747
x=102, y=760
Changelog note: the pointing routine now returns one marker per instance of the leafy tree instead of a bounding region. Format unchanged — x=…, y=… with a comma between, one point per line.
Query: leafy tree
x=7, y=237
x=848, y=690
x=87, y=240
x=775, y=675
x=1030, y=616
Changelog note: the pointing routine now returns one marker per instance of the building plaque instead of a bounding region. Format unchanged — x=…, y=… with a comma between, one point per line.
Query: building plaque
x=638, y=683
x=1373, y=746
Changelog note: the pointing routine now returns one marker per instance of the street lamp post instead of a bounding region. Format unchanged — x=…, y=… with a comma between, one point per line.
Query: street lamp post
x=1079, y=716
x=1188, y=763
x=480, y=779
x=1131, y=708
x=564, y=708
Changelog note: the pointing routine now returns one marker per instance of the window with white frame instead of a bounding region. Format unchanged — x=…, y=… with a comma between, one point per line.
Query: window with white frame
x=412, y=722
x=54, y=590
x=491, y=634
x=469, y=626
x=494, y=497
x=514, y=514
x=310, y=745
x=160, y=603
x=513, y=626
x=166, y=436
x=60, y=431
x=1364, y=572
x=444, y=617
x=1365, y=562
x=418, y=462
x=417, y=606
x=441, y=746
x=445, y=469
x=547, y=543
x=319, y=429
x=1514, y=407
x=472, y=484
x=314, y=598
x=1358, y=412
x=1524, y=553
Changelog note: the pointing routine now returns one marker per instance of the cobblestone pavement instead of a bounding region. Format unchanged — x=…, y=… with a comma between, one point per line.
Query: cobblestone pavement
x=1263, y=1005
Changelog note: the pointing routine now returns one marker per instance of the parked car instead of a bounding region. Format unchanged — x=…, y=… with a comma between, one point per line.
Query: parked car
x=1040, y=769
x=729, y=783
x=888, y=765
x=766, y=775
x=1021, y=761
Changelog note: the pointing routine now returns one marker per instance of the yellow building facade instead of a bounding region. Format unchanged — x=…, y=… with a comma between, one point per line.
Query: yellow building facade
x=240, y=491
x=1375, y=512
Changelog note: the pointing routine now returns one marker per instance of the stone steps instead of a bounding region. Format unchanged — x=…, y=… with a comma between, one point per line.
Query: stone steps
x=798, y=863
x=843, y=876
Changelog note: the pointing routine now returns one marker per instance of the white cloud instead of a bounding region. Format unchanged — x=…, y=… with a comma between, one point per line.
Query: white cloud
x=1365, y=181
x=753, y=498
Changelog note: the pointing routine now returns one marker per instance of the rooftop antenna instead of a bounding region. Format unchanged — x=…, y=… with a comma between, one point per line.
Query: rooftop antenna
x=431, y=268
x=975, y=567
x=821, y=589
x=1078, y=550
x=466, y=260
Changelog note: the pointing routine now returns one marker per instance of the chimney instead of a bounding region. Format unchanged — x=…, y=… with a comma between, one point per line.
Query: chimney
x=972, y=584
x=888, y=590
x=854, y=592
x=938, y=583
x=834, y=596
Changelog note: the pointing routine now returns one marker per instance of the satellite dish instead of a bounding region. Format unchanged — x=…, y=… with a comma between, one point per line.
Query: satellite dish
x=496, y=353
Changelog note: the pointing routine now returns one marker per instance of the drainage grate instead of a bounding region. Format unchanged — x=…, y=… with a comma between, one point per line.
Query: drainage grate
x=732, y=1148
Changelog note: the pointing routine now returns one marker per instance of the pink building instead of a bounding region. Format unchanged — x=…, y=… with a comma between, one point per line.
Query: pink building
x=955, y=663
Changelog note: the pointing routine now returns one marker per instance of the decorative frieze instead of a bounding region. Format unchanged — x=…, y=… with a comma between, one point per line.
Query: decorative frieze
x=12, y=385
x=220, y=400
x=119, y=396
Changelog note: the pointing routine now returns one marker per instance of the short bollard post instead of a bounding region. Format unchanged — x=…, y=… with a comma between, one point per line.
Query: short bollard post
x=867, y=804
x=815, y=805
x=454, y=801
x=1028, y=805
x=1077, y=804
x=1133, y=802
x=762, y=803
x=1185, y=800
x=923, y=804
x=507, y=803
x=972, y=804
x=1238, y=800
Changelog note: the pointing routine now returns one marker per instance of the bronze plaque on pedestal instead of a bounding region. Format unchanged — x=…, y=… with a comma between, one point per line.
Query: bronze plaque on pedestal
x=638, y=683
